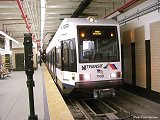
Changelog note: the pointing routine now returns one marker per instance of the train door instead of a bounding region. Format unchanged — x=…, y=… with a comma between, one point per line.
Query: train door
x=72, y=56
x=65, y=56
x=69, y=56
x=51, y=61
x=54, y=61
x=47, y=61
x=19, y=59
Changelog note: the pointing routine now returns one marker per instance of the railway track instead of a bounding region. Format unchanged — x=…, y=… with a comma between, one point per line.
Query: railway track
x=96, y=109
x=79, y=110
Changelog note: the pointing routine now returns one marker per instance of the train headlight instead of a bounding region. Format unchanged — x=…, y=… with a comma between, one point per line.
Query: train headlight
x=84, y=77
x=73, y=76
x=115, y=75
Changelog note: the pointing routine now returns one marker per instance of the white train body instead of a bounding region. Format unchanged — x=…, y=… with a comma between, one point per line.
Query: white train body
x=86, y=55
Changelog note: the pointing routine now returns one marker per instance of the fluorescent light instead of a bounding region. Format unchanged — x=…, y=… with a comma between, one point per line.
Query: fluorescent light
x=43, y=3
x=43, y=11
x=4, y=34
x=43, y=14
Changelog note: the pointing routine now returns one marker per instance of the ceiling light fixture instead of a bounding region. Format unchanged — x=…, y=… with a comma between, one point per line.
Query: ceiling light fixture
x=4, y=34
x=91, y=19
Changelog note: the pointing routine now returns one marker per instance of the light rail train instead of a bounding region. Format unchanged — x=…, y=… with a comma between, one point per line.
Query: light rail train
x=85, y=53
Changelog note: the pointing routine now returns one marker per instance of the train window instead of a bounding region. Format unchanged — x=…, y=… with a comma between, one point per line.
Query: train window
x=51, y=59
x=65, y=52
x=71, y=51
x=58, y=57
x=100, y=44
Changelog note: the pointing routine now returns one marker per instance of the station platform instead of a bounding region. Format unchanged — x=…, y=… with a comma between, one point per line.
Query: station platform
x=14, y=103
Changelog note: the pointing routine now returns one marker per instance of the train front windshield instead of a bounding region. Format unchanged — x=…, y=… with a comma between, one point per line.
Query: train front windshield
x=98, y=44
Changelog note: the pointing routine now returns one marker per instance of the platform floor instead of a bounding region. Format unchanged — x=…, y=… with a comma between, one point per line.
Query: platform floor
x=14, y=103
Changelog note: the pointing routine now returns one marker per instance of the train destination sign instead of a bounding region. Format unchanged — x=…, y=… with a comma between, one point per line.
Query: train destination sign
x=97, y=32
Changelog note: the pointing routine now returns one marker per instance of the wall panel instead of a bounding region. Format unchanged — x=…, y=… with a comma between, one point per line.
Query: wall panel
x=140, y=56
x=155, y=56
x=127, y=57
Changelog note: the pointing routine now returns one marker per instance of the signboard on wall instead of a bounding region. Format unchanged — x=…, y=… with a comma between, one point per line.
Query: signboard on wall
x=7, y=61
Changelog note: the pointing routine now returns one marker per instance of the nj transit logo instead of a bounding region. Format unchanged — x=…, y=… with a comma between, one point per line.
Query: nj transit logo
x=84, y=67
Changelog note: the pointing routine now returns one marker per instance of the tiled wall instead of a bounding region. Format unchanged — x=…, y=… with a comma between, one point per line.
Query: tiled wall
x=140, y=57
x=127, y=57
x=145, y=64
x=155, y=56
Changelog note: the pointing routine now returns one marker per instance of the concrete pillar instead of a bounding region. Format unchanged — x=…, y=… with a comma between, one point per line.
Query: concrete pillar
x=7, y=45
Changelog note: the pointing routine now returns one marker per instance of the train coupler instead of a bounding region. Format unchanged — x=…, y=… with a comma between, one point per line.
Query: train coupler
x=101, y=93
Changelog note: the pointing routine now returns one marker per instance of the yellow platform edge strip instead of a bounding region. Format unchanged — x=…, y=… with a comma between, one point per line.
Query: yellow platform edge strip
x=57, y=107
